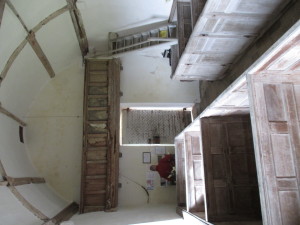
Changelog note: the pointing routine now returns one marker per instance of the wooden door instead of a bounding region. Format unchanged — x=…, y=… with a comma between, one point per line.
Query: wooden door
x=180, y=172
x=194, y=173
x=275, y=108
x=229, y=165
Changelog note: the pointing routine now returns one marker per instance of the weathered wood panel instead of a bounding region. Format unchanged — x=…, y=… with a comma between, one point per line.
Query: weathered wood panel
x=221, y=35
x=275, y=107
x=229, y=165
x=101, y=136
x=184, y=25
x=180, y=173
x=195, y=192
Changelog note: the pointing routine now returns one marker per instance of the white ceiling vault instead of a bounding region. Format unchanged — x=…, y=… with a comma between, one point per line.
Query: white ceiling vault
x=52, y=45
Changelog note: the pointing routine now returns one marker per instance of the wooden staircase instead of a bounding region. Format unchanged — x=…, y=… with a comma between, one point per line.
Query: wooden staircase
x=100, y=155
x=141, y=37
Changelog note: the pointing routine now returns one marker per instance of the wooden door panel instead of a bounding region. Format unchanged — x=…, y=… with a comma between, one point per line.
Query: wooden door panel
x=180, y=173
x=230, y=175
x=194, y=173
x=275, y=109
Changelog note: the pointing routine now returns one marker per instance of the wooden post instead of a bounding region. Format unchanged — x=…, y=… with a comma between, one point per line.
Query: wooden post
x=78, y=26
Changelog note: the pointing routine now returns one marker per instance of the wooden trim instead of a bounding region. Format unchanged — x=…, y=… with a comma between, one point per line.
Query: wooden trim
x=27, y=204
x=113, y=131
x=39, y=52
x=2, y=6
x=17, y=14
x=49, y=18
x=25, y=180
x=78, y=26
x=64, y=215
x=12, y=59
x=173, y=13
x=12, y=116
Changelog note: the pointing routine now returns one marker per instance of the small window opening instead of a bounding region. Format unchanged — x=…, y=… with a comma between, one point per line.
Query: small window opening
x=21, y=134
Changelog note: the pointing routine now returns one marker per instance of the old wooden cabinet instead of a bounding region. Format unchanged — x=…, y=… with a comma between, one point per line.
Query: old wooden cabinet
x=229, y=168
x=276, y=112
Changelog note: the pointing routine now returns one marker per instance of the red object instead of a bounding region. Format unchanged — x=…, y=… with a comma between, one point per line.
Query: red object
x=165, y=166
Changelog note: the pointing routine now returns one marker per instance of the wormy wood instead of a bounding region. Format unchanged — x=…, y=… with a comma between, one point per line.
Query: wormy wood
x=100, y=155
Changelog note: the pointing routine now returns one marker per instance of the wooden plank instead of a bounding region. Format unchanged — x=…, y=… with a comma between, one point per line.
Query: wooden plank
x=2, y=6
x=78, y=26
x=180, y=173
x=24, y=180
x=28, y=205
x=113, y=127
x=40, y=54
x=17, y=14
x=195, y=195
x=12, y=116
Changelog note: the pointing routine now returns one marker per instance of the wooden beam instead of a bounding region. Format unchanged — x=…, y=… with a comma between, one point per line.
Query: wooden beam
x=39, y=52
x=28, y=205
x=12, y=59
x=78, y=26
x=49, y=18
x=17, y=14
x=64, y=215
x=12, y=116
x=2, y=6
x=24, y=180
x=24, y=42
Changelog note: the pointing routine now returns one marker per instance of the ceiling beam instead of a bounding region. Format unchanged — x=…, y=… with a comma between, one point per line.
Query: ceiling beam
x=12, y=59
x=64, y=215
x=24, y=180
x=27, y=204
x=2, y=6
x=78, y=26
x=49, y=18
x=17, y=14
x=24, y=42
x=39, y=52
x=12, y=116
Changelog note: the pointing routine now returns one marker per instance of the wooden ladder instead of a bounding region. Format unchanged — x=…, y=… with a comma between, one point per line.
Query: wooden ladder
x=121, y=44
x=100, y=155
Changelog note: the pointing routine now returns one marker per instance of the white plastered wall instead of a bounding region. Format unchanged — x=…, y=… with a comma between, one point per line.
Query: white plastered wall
x=21, y=86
